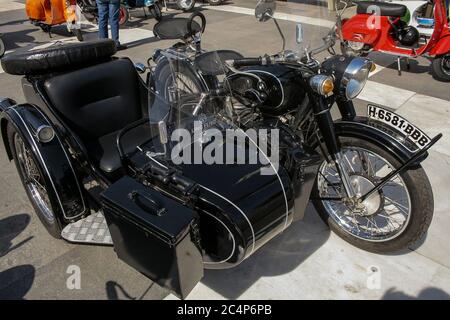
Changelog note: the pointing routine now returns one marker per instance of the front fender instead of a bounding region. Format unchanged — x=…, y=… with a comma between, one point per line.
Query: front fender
x=360, y=127
x=51, y=156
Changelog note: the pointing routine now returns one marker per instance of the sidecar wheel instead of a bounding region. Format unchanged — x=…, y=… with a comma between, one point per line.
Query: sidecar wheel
x=441, y=67
x=391, y=220
x=35, y=182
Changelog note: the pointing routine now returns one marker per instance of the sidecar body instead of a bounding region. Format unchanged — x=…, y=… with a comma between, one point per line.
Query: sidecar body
x=85, y=129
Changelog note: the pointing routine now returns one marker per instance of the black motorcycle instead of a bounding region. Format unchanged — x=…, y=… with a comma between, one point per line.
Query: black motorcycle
x=369, y=188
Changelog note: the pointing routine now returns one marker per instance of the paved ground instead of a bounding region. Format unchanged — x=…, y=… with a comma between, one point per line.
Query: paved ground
x=304, y=262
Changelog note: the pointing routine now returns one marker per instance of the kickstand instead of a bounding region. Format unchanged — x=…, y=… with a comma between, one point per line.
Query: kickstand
x=408, y=65
x=399, y=65
x=145, y=13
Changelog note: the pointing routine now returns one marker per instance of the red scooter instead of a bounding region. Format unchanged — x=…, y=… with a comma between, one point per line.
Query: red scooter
x=377, y=26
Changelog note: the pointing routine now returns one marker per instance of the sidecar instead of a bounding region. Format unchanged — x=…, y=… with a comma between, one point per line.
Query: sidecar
x=91, y=163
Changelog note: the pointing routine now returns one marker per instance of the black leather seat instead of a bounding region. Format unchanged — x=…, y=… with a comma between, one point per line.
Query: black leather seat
x=175, y=28
x=96, y=103
x=385, y=8
x=58, y=57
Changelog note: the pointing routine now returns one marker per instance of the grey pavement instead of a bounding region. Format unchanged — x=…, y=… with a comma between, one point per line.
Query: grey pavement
x=306, y=261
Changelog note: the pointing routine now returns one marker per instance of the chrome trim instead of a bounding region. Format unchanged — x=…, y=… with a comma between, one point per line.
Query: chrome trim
x=42, y=127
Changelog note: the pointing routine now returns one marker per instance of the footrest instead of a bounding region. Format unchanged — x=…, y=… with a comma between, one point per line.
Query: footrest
x=90, y=230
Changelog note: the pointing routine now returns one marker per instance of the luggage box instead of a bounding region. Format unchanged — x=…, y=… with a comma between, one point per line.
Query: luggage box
x=154, y=234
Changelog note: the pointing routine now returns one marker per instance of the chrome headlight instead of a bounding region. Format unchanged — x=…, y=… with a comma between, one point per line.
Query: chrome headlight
x=350, y=74
x=355, y=77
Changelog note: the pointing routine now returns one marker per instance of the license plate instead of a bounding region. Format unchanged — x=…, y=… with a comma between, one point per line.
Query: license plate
x=417, y=136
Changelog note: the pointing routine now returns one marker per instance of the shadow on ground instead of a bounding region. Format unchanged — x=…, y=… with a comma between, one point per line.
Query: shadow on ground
x=426, y=294
x=279, y=256
x=10, y=288
x=10, y=228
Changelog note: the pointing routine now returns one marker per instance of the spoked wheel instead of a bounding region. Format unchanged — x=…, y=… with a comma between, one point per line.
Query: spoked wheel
x=33, y=179
x=155, y=10
x=441, y=67
x=185, y=5
x=124, y=15
x=391, y=219
x=2, y=48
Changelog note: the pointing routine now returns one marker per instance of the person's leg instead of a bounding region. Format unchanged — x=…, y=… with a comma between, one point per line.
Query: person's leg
x=114, y=6
x=103, y=12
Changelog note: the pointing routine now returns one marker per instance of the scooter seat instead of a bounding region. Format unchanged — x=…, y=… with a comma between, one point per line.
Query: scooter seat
x=175, y=28
x=381, y=8
x=58, y=57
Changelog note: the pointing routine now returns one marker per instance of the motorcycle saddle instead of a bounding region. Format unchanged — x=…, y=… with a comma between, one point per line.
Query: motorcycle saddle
x=58, y=57
x=175, y=28
x=381, y=8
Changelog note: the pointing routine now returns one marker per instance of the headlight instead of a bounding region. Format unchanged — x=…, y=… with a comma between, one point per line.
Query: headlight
x=355, y=77
x=350, y=74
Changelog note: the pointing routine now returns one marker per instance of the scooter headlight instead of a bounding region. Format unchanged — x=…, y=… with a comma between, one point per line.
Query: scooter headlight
x=355, y=77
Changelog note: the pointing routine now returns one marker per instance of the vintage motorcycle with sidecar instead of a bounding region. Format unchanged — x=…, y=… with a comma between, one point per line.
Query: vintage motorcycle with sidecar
x=294, y=92
x=102, y=166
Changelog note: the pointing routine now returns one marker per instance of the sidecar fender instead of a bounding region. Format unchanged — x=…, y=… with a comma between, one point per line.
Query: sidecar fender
x=379, y=134
x=52, y=156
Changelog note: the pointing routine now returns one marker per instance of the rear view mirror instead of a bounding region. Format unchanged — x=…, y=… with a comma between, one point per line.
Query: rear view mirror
x=299, y=33
x=264, y=10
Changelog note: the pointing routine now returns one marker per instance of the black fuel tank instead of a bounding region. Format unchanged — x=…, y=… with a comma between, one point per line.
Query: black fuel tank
x=284, y=89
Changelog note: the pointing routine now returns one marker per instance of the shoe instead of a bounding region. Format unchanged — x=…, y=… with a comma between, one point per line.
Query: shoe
x=121, y=47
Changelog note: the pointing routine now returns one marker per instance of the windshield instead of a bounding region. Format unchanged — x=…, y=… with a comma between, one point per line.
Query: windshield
x=197, y=90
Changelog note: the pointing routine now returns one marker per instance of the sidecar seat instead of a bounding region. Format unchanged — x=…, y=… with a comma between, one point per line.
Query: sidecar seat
x=96, y=103
x=386, y=8
x=94, y=94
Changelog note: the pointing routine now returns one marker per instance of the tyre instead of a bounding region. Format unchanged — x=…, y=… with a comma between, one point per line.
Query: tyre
x=390, y=220
x=2, y=48
x=124, y=16
x=155, y=10
x=441, y=67
x=78, y=33
x=36, y=183
x=185, y=5
x=214, y=2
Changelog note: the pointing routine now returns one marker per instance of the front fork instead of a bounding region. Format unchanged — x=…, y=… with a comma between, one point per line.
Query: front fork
x=326, y=127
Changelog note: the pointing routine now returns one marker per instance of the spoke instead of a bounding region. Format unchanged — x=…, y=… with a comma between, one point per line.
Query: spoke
x=406, y=209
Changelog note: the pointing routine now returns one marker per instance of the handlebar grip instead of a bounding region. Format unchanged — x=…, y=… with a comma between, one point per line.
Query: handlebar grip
x=247, y=62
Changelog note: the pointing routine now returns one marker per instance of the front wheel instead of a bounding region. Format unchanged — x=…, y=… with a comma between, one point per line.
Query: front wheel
x=441, y=67
x=393, y=218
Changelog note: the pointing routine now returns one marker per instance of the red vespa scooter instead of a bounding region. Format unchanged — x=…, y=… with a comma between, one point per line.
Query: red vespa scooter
x=377, y=26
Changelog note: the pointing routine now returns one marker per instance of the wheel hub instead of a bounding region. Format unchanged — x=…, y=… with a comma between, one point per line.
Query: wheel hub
x=361, y=185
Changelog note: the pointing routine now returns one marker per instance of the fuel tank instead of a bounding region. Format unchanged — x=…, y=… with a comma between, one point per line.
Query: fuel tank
x=284, y=89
